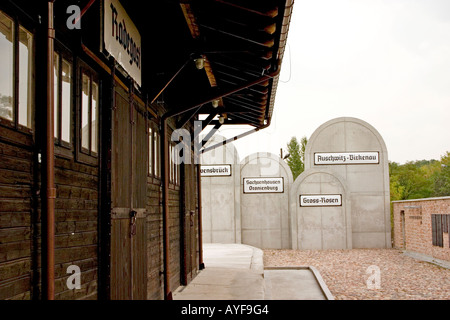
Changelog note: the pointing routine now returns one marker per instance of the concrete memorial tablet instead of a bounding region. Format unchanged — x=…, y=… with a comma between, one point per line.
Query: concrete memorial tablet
x=220, y=182
x=340, y=201
x=321, y=213
x=265, y=185
x=344, y=153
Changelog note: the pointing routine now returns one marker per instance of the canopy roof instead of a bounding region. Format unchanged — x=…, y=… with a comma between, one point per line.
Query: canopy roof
x=242, y=43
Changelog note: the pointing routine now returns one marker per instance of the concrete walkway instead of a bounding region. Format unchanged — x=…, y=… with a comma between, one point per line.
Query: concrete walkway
x=236, y=272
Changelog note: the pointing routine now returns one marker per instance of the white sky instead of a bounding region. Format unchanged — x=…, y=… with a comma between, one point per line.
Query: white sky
x=386, y=62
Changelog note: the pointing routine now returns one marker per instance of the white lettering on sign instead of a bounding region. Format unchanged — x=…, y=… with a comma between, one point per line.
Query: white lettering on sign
x=122, y=39
x=263, y=185
x=215, y=170
x=324, y=200
x=346, y=158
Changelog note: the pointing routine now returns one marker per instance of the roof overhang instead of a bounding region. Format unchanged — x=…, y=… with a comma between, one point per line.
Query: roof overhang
x=242, y=43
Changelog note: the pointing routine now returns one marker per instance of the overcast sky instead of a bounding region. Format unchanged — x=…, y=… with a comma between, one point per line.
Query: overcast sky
x=386, y=62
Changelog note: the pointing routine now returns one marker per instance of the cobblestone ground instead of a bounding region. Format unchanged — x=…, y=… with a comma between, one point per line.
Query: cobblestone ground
x=346, y=273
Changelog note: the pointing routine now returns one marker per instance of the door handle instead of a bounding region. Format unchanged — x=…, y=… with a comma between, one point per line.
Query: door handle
x=191, y=213
x=133, y=218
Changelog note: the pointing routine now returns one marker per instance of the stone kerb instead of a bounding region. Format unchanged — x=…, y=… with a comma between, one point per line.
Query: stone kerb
x=365, y=172
x=265, y=184
x=221, y=193
x=316, y=222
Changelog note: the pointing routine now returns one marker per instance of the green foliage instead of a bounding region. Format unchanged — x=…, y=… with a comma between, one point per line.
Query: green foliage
x=442, y=180
x=296, y=160
x=420, y=179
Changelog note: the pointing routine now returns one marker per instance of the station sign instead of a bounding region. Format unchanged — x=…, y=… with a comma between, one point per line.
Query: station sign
x=322, y=200
x=215, y=170
x=121, y=38
x=336, y=158
x=264, y=185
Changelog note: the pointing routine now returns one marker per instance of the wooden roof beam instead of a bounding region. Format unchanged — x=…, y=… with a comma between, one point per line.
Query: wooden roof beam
x=257, y=120
x=272, y=13
x=195, y=32
x=253, y=107
x=254, y=88
x=269, y=43
x=241, y=61
x=190, y=20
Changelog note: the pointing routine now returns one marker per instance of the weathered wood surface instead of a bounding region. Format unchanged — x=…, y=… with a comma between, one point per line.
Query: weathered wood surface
x=129, y=192
x=155, y=279
x=16, y=180
x=76, y=226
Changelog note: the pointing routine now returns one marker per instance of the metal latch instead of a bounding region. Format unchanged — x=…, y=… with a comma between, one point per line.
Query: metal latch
x=192, y=213
x=133, y=217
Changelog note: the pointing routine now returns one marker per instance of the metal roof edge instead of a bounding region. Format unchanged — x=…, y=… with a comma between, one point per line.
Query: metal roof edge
x=282, y=45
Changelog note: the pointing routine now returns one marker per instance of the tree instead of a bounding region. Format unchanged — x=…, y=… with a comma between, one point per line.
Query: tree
x=442, y=177
x=420, y=179
x=396, y=189
x=416, y=184
x=296, y=160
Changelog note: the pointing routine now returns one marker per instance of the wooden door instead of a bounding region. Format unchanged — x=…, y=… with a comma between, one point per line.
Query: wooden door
x=189, y=223
x=128, y=199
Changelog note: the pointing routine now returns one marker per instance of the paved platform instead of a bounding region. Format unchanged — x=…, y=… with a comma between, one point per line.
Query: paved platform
x=236, y=272
x=295, y=283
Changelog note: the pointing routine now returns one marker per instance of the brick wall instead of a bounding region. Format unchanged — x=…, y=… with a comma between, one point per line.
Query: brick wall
x=413, y=229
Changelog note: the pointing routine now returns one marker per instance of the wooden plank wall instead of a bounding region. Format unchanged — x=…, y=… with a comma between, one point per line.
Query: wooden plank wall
x=191, y=222
x=155, y=250
x=129, y=260
x=155, y=279
x=16, y=178
x=129, y=181
x=76, y=212
x=140, y=261
x=140, y=169
x=175, y=240
x=76, y=227
x=121, y=152
x=120, y=244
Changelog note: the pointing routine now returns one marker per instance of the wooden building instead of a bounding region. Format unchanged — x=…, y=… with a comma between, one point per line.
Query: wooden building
x=90, y=94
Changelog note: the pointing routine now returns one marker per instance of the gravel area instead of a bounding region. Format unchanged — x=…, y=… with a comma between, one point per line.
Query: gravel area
x=346, y=273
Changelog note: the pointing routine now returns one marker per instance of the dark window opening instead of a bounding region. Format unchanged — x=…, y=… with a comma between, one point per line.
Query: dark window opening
x=440, y=224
